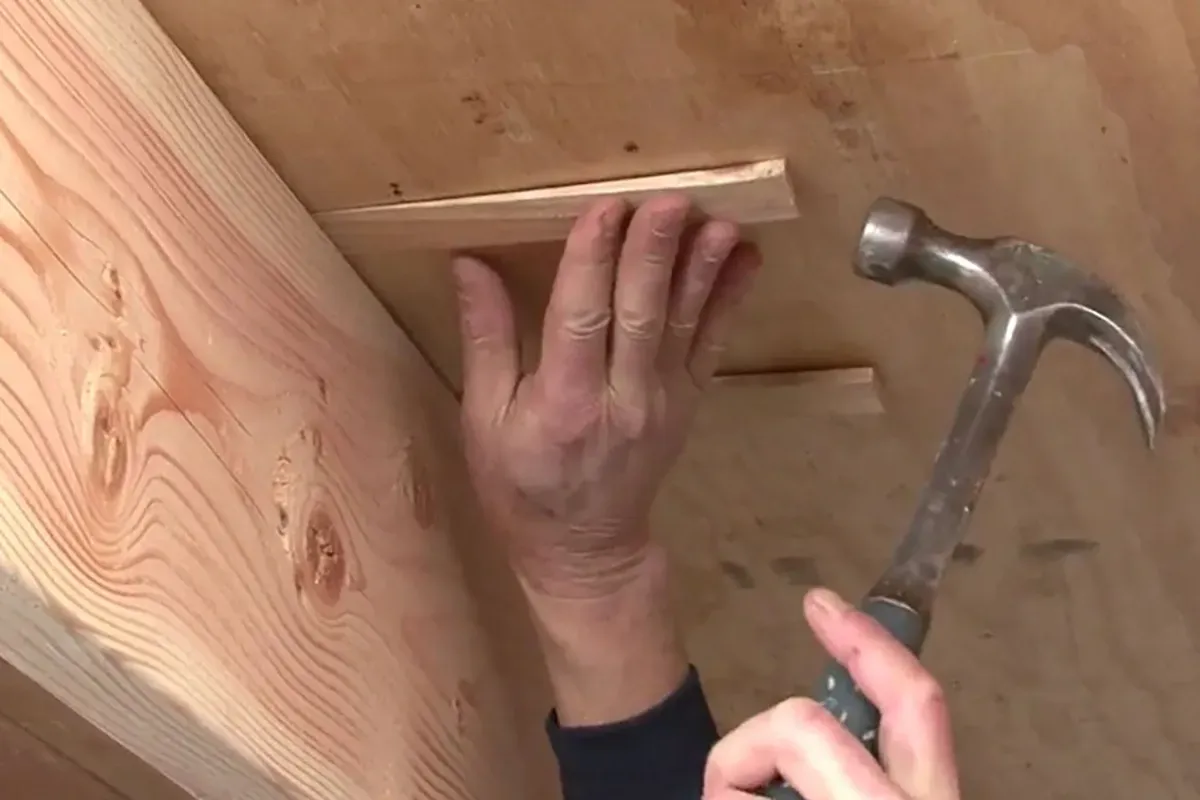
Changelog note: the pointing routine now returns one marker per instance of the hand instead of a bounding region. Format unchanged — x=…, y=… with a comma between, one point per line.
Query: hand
x=804, y=744
x=568, y=459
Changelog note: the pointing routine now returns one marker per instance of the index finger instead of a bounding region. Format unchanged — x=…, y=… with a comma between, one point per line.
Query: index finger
x=802, y=742
x=915, y=742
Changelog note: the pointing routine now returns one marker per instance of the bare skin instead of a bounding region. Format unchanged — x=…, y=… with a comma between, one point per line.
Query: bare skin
x=567, y=460
x=801, y=741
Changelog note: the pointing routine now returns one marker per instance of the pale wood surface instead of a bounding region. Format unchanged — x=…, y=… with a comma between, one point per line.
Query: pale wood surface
x=224, y=537
x=745, y=193
x=1072, y=642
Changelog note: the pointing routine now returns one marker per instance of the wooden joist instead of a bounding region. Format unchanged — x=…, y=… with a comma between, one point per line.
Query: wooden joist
x=223, y=483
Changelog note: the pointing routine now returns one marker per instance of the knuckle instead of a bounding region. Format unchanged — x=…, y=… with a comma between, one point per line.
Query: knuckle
x=586, y=324
x=635, y=421
x=927, y=696
x=568, y=421
x=682, y=327
x=637, y=325
x=637, y=413
x=720, y=236
x=660, y=253
x=796, y=714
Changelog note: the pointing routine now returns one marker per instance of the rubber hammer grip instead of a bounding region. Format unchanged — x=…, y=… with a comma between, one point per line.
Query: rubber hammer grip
x=839, y=694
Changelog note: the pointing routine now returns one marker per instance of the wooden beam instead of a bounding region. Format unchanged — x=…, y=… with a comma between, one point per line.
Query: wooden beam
x=226, y=477
x=748, y=193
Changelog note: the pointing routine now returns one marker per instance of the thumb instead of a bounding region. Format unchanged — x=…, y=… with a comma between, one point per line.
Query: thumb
x=491, y=364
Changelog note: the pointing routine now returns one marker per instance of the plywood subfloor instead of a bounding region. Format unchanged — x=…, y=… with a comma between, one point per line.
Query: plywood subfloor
x=1070, y=635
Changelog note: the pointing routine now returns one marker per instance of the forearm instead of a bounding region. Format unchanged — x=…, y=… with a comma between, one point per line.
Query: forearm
x=611, y=655
x=631, y=719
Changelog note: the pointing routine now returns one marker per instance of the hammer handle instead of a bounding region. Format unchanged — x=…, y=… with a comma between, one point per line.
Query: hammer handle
x=838, y=693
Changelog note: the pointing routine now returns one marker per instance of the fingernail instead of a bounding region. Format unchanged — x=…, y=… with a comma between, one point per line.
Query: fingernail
x=826, y=603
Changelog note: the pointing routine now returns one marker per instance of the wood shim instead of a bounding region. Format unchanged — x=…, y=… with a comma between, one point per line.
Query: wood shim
x=849, y=391
x=749, y=194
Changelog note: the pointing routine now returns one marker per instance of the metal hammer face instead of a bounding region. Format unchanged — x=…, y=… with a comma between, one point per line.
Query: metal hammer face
x=1026, y=294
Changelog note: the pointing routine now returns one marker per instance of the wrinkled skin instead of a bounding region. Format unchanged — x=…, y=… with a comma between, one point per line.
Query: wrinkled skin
x=568, y=459
x=801, y=741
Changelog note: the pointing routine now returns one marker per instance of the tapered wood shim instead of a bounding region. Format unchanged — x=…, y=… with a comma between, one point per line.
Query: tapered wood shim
x=749, y=193
x=839, y=391
x=851, y=391
x=224, y=491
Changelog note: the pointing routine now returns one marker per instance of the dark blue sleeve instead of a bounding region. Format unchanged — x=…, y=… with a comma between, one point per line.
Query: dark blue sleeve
x=658, y=755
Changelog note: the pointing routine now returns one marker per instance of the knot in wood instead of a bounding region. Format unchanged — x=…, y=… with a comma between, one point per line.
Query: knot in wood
x=324, y=560
x=108, y=432
x=419, y=486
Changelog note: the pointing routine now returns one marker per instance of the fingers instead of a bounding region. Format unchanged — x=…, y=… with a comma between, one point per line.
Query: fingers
x=702, y=261
x=800, y=741
x=491, y=360
x=731, y=286
x=621, y=308
x=576, y=329
x=643, y=288
x=916, y=744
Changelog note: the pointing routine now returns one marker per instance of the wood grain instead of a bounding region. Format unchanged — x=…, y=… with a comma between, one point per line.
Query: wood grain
x=1072, y=643
x=225, y=472
x=747, y=194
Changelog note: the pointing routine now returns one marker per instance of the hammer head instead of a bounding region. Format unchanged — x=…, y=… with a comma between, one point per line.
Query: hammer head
x=1018, y=287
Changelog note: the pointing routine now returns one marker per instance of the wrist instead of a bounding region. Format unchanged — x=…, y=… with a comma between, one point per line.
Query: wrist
x=614, y=654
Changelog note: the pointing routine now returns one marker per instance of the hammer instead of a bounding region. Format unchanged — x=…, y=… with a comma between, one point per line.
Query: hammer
x=1027, y=296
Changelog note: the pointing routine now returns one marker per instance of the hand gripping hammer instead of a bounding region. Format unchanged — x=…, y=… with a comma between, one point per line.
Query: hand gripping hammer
x=1027, y=296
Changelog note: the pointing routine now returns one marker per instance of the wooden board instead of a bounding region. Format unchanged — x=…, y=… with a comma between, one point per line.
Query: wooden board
x=1072, y=643
x=229, y=483
x=747, y=194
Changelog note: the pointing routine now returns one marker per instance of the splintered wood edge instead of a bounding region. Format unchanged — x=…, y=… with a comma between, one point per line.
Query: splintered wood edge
x=748, y=194
x=847, y=391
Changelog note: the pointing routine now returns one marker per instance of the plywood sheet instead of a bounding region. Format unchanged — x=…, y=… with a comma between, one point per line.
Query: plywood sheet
x=1072, y=123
